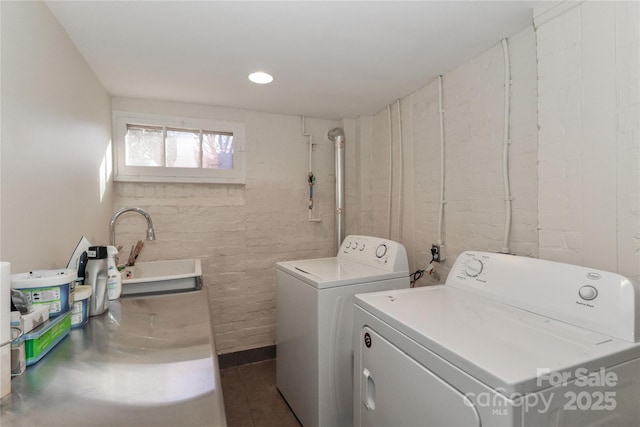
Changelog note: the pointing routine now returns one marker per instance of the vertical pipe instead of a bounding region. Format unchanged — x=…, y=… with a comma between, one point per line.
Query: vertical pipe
x=337, y=135
x=441, y=116
x=390, y=173
x=401, y=172
x=340, y=223
x=505, y=148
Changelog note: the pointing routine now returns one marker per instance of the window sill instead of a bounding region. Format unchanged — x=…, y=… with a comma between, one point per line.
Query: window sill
x=179, y=179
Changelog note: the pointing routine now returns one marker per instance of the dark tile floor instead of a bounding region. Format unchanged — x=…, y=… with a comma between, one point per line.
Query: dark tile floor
x=251, y=398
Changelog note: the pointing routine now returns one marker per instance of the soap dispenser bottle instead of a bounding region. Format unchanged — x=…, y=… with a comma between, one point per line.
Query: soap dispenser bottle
x=96, y=277
x=114, y=278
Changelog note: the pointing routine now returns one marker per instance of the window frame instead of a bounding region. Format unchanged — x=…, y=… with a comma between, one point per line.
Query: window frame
x=125, y=173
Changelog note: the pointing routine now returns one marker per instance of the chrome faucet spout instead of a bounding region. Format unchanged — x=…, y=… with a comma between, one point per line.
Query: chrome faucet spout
x=151, y=235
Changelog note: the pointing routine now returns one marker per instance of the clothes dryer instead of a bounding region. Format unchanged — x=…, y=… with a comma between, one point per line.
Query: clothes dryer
x=507, y=341
x=314, y=364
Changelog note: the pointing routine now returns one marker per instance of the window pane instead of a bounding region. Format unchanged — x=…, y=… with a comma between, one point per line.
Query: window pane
x=218, y=151
x=183, y=148
x=144, y=146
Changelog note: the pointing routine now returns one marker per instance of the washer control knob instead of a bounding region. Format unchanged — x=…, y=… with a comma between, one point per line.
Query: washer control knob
x=355, y=246
x=381, y=250
x=362, y=248
x=588, y=292
x=474, y=268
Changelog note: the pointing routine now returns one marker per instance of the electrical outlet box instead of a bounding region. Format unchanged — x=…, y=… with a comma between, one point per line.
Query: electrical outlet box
x=438, y=253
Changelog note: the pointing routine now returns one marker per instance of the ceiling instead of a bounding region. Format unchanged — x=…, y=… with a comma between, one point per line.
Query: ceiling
x=330, y=59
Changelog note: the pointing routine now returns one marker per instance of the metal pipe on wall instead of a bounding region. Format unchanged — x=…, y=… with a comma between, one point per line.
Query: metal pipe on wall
x=336, y=135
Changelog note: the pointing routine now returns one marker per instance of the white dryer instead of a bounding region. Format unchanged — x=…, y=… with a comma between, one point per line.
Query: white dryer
x=314, y=364
x=507, y=341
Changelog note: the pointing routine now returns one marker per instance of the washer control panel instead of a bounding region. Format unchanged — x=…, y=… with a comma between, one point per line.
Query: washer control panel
x=597, y=300
x=376, y=252
x=381, y=251
x=474, y=268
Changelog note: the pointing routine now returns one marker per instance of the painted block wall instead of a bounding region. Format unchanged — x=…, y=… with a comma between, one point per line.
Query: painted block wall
x=589, y=156
x=575, y=180
x=473, y=100
x=56, y=134
x=239, y=232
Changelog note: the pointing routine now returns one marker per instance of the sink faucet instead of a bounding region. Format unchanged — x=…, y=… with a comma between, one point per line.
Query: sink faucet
x=151, y=235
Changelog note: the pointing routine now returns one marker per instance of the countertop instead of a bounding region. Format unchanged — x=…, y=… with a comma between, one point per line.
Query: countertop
x=148, y=361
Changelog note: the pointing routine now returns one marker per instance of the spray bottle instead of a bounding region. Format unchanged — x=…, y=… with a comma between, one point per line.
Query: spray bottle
x=114, y=278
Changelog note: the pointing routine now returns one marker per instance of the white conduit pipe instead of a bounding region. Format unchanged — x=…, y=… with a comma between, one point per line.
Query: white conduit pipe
x=401, y=173
x=390, y=173
x=505, y=147
x=442, y=202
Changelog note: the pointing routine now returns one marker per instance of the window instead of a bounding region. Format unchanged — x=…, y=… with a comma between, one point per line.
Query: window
x=168, y=149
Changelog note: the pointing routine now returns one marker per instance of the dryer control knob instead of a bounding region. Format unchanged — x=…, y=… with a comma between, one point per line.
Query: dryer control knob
x=381, y=250
x=474, y=268
x=588, y=292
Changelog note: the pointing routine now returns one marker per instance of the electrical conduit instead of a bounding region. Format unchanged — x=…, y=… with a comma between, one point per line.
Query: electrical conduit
x=440, y=242
x=401, y=171
x=505, y=148
x=390, y=173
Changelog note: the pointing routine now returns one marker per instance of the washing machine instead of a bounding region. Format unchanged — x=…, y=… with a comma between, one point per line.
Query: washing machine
x=506, y=341
x=314, y=363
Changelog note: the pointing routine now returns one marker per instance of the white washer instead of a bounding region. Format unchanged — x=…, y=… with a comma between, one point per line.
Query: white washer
x=507, y=341
x=314, y=364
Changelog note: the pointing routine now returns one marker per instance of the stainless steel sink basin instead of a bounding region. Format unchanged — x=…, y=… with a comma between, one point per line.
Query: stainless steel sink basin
x=159, y=277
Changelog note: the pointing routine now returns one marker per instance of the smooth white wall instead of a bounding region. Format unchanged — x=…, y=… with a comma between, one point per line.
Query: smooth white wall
x=239, y=231
x=56, y=130
x=589, y=156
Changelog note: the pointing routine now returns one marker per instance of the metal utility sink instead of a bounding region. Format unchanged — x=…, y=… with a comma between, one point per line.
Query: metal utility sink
x=147, y=361
x=161, y=277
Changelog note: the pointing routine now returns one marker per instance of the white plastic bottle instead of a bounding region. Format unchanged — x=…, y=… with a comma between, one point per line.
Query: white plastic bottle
x=114, y=278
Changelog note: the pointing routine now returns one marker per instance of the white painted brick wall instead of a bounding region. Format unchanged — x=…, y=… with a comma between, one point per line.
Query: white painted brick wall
x=589, y=156
x=239, y=232
x=474, y=213
x=575, y=180
x=628, y=135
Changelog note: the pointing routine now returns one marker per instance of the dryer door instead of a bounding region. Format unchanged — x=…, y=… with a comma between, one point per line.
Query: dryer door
x=395, y=390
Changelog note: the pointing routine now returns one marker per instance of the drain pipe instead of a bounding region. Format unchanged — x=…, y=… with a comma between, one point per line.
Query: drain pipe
x=336, y=135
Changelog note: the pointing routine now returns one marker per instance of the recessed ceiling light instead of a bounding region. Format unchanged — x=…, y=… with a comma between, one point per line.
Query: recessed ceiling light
x=261, y=78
